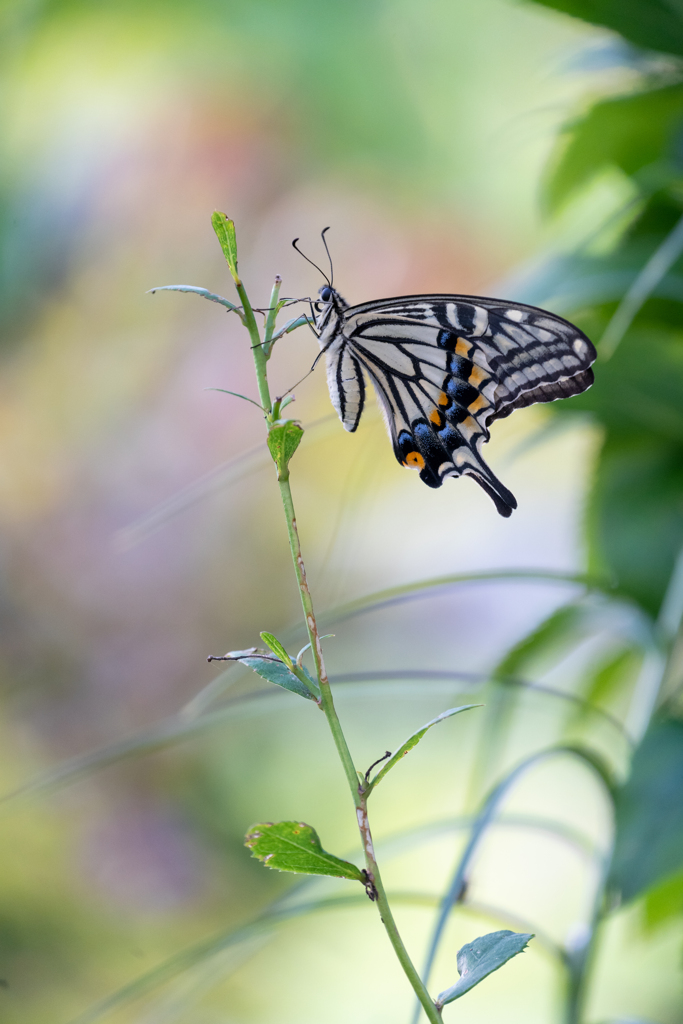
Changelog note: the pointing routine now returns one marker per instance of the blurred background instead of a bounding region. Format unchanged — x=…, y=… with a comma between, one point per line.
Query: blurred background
x=483, y=147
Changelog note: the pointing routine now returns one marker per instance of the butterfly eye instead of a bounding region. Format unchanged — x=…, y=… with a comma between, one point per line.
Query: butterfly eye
x=325, y=293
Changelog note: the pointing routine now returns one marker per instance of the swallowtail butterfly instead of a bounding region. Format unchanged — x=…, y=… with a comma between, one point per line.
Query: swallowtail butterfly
x=444, y=367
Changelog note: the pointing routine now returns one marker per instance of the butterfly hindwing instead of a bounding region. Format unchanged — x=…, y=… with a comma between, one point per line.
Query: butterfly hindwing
x=444, y=367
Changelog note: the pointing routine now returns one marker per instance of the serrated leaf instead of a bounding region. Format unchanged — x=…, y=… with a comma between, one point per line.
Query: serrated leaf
x=413, y=740
x=225, y=232
x=295, y=846
x=276, y=647
x=649, y=813
x=283, y=441
x=478, y=959
x=276, y=672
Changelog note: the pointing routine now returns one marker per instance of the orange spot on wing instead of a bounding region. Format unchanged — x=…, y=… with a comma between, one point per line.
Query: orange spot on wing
x=414, y=461
x=443, y=398
x=477, y=376
x=477, y=404
x=462, y=347
x=435, y=417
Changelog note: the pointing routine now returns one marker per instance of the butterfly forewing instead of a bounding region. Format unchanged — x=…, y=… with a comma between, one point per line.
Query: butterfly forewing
x=444, y=367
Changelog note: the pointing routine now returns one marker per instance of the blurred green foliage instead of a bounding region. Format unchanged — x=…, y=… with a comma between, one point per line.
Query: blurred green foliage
x=650, y=813
x=343, y=83
x=634, y=522
x=654, y=24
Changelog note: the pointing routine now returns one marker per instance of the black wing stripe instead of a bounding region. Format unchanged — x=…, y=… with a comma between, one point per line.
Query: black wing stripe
x=446, y=366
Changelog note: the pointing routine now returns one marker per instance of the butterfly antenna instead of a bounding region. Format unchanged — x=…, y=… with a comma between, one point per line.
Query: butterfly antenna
x=311, y=261
x=322, y=235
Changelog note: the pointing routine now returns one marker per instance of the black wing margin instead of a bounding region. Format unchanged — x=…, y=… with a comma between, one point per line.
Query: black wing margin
x=534, y=357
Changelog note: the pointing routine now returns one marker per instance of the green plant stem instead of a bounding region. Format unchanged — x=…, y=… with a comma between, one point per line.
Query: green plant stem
x=272, y=317
x=327, y=703
x=387, y=918
x=260, y=354
x=257, y=348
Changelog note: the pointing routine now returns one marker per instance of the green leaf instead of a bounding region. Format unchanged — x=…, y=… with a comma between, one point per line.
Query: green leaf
x=291, y=325
x=278, y=673
x=194, y=290
x=277, y=648
x=649, y=813
x=652, y=24
x=413, y=741
x=482, y=957
x=225, y=232
x=283, y=441
x=295, y=846
x=633, y=133
x=236, y=394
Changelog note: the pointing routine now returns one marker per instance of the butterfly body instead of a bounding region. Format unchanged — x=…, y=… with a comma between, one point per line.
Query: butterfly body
x=444, y=367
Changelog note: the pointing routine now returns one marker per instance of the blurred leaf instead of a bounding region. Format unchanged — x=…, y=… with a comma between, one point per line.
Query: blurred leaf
x=636, y=513
x=277, y=648
x=629, y=132
x=424, y=588
x=616, y=672
x=638, y=398
x=654, y=24
x=635, y=508
x=278, y=673
x=645, y=284
x=649, y=813
x=194, y=719
x=295, y=846
x=413, y=741
x=572, y=284
x=561, y=631
x=663, y=902
x=478, y=959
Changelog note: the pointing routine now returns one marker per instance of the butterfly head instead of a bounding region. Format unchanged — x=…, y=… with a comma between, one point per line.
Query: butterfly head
x=329, y=307
x=329, y=296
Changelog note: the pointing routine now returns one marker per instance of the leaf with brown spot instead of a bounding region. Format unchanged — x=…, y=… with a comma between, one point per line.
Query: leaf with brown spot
x=295, y=846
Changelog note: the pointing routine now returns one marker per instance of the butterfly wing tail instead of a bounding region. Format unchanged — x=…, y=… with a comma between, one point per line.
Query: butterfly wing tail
x=421, y=448
x=502, y=498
